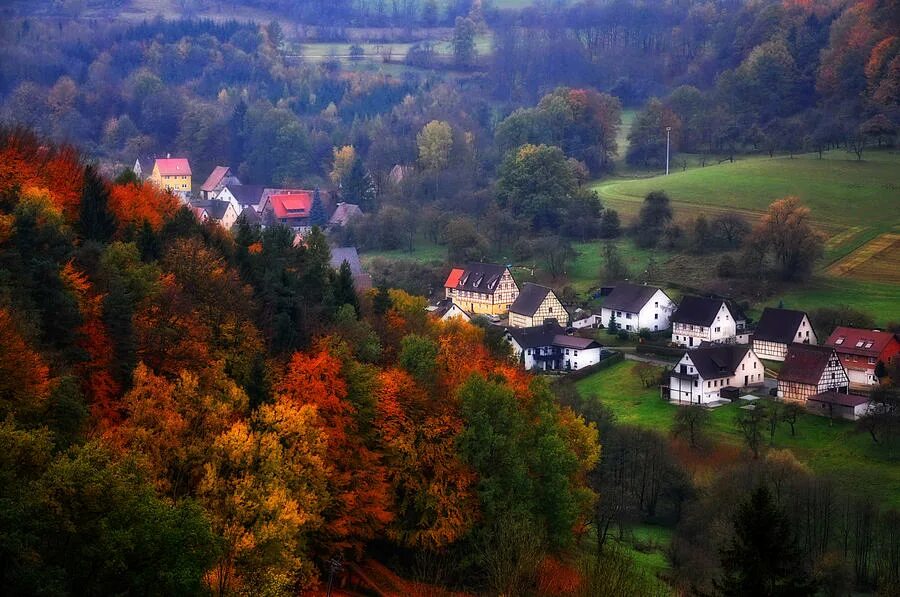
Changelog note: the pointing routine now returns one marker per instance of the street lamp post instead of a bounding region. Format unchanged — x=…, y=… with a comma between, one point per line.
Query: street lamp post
x=668, y=132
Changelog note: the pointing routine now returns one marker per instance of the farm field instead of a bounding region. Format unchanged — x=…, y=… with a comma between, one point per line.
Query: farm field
x=829, y=448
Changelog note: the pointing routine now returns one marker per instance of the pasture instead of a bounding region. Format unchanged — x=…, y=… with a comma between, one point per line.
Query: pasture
x=830, y=448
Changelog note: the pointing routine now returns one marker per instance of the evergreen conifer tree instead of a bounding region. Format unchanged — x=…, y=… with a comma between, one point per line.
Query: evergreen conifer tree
x=763, y=559
x=317, y=216
x=97, y=222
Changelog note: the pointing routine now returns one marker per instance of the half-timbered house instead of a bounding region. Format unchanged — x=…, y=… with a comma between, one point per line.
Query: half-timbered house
x=779, y=328
x=809, y=370
x=534, y=305
x=482, y=288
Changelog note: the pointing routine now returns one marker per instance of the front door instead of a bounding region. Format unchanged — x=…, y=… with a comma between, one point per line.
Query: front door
x=745, y=380
x=691, y=341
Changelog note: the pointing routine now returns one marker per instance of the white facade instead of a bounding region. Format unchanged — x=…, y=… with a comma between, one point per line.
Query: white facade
x=454, y=312
x=591, y=321
x=723, y=329
x=776, y=351
x=555, y=357
x=654, y=315
x=686, y=384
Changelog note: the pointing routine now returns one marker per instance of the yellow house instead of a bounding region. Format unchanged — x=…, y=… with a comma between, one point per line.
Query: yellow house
x=534, y=305
x=172, y=174
x=482, y=288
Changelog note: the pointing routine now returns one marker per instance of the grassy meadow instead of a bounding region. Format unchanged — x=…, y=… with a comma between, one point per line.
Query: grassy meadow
x=831, y=448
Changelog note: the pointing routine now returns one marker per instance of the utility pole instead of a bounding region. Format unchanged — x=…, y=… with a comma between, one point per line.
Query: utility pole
x=668, y=133
x=334, y=565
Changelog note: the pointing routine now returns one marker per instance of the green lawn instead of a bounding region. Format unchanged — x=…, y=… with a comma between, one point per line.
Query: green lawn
x=828, y=448
x=584, y=272
x=423, y=251
x=881, y=301
x=839, y=190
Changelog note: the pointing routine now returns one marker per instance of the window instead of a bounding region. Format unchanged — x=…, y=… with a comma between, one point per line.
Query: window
x=871, y=360
x=576, y=353
x=868, y=345
x=628, y=316
x=743, y=367
x=839, y=340
x=718, y=329
x=656, y=304
x=695, y=383
x=550, y=309
x=656, y=316
x=859, y=344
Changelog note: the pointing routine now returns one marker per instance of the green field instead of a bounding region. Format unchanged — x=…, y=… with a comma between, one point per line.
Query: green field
x=831, y=448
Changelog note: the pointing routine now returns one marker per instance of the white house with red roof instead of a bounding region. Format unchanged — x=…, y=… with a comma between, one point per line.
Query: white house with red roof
x=173, y=174
x=861, y=350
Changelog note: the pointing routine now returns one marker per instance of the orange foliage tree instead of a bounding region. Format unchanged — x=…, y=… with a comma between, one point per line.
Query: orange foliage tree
x=95, y=373
x=24, y=377
x=433, y=497
x=134, y=204
x=356, y=479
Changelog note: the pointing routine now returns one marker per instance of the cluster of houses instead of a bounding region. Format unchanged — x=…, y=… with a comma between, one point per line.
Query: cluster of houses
x=223, y=198
x=722, y=359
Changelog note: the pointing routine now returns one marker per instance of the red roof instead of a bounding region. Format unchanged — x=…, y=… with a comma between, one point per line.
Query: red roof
x=291, y=205
x=453, y=278
x=860, y=342
x=218, y=173
x=173, y=167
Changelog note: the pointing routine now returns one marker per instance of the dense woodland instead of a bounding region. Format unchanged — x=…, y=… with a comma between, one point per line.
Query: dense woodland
x=188, y=410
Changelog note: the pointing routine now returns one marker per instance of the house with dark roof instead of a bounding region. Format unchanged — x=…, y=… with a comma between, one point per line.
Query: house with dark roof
x=446, y=309
x=221, y=212
x=343, y=214
x=482, y=288
x=703, y=373
x=547, y=347
x=860, y=351
x=637, y=307
x=837, y=405
x=534, y=305
x=809, y=370
x=361, y=280
x=242, y=196
x=700, y=319
x=779, y=328
x=218, y=179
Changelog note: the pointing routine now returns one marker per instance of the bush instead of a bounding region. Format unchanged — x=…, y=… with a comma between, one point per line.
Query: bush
x=622, y=335
x=727, y=267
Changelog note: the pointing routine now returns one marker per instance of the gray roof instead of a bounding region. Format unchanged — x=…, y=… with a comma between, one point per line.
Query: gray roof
x=697, y=310
x=718, y=360
x=215, y=209
x=629, y=297
x=549, y=334
x=481, y=277
x=250, y=215
x=805, y=363
x=247, y=194
x=343, y=213
x=529, y=300
x=348, y=254
x=778, y=325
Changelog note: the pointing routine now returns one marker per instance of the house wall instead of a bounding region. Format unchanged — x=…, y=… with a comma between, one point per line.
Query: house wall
x=587, y=322
x=179, y=184
x=550, y=308
x=749, y=373
x=455, y=313
x=722, y=329
x=773, y=351
x=833, y=377
x=495, y=303
x=851, y=413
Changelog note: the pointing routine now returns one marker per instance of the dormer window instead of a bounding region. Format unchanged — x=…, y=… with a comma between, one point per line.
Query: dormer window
x=839, y=340
x=464, y=279
x=859, y=344
x=868, y=345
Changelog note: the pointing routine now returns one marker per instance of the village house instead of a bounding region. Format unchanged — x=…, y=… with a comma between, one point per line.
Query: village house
x=837, y=405
x=343, y=214
x=173, y=174
x=361, y=280
x=809, y=370
x=482, y=288
x=242, y=196
x=779, y=328
x=221, y=212
x=291, y=209
x=534, y=305
x=637, y=307
x=547, y=347
x=702, y=374
x=583, y=318
x=143, y=166
x=219, y=178
x=698, y=319
x=861, y=350
x=446, y=309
